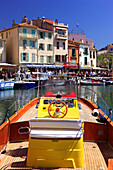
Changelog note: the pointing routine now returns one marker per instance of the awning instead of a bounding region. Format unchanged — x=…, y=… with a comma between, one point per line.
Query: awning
x=44, y=66
x=71, y=65
x=63, y=29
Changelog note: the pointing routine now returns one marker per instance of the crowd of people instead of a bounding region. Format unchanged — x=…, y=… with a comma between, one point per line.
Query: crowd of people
x=5, y=75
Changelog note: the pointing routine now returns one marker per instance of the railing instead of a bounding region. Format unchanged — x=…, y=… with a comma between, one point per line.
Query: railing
x=95, y=98
x=81, y=91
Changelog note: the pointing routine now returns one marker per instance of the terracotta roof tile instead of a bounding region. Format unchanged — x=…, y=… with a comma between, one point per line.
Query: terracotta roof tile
x=27, y=25
x=49, y=21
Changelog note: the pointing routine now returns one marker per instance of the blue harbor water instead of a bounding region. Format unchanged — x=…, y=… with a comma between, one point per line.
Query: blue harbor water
x=9, y=96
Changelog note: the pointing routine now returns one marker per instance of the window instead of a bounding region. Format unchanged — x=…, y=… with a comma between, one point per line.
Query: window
x=24, y=56
x=49, y=35
x=24, y=32
x=63, y=45
x=48, y=59
x=41, y=46
x=24, y=44
x=90, y=54
x=33, y=44
x=57, y=45
x=110, y=49
x=33, y=57
x=49, y=47
x=0, y=43
x=85, y=61
x=6, y=34
x=86, y=42
x=57, y=58
x=33, y=33
x=2, y=35
x=73, y=52
x=73, y=61
x=63, y=58
x=86, y=51
x=94, y=54
x=0, y=57
x=41, y=34
x=41, y=59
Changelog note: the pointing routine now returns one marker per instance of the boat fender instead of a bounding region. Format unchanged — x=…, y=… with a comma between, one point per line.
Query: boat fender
x=95, y=112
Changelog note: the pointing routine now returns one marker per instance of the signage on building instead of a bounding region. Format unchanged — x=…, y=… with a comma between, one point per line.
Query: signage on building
x=71, y=65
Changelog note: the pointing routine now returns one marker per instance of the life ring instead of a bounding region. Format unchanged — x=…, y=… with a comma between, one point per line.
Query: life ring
x=33, y=75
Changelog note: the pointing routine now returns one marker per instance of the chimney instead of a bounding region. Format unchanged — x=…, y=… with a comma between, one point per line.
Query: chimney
x=56, y=21
x=4, y=28
x=13, y=24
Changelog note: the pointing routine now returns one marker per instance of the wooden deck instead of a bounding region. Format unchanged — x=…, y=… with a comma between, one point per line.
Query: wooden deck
x=96, y=155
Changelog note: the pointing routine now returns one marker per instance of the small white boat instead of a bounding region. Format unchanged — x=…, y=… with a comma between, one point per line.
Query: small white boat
x=92, y=82
x=6, y=85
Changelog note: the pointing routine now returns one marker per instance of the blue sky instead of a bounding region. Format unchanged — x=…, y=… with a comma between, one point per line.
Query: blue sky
x=95, y=17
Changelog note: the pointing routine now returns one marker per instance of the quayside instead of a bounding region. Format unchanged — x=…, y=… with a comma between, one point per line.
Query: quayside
x=78, y=139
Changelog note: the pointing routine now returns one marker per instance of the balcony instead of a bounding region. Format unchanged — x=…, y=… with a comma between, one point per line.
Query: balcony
x=60, y=36
x=27, y=36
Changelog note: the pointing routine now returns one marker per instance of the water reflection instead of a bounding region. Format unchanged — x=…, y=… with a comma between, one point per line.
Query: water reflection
x=9, y=96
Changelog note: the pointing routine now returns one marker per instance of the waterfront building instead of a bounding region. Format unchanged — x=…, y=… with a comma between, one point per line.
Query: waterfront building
x=56, y=41
x=45, y=41
x=73, y=56
x=107, y=49
x=87, y=52
x=21, y=44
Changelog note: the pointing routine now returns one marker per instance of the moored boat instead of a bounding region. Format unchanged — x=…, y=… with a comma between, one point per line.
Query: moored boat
x=92, y=82
x=6, y=85
x=23, y=85
x=57, y=135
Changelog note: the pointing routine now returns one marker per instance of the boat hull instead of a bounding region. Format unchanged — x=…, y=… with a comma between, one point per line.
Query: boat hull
x=24, y=85
x=6, y=85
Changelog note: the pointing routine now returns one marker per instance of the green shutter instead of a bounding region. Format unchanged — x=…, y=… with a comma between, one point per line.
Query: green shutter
x=30, y=43
x=49, y=35
x=24, y=32
x=51, y=47
x=43, y=46
x=27, y=56
x=47, y=59
x=39, y=34
x=36, y=44
x=33, y=33
x=44, y=35
x=52, y=59
x=21, y=56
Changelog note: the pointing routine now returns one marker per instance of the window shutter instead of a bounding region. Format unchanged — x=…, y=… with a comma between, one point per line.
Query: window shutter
x=51, y=47
x=47, y=59
x=39, y=34
x=21, y=56
x=30, y=43
x=44, y=35
x=36, y=44
x=52, y=59
x=33, y=33
x=27, y=56
x=43, y=46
